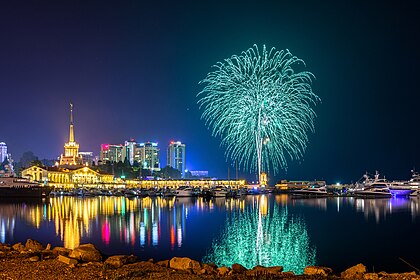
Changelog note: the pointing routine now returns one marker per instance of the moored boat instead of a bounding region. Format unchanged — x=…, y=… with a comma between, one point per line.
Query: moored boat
x=21, y=187
x=312, y=191
x=184, y=191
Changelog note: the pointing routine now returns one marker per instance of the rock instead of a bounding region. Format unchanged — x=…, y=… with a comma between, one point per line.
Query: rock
x=67, y=260
x=5, y=247
x=371, y=276
x=151, y=260
x=238, y=268
x=48, y=247
x=317, y=270
x=184, y=264
x=33, y=245
x=404, y=275
x=223, y=270
x=210, y=269
x=86, y=253
x=119, y=260
x=261, y=270
x=34, y=259
x=18, y=247
x=202, y=271
x=164, y=263
x=354, y=272
x=61, y=251
x=288, y=273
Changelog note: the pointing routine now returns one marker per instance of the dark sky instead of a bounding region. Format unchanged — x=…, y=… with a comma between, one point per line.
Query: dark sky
x=132, y=69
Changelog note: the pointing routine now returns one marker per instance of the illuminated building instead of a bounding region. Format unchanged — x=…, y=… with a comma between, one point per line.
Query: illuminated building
x=176, y=156
x=70, y=172
x=129, y=150
x=87, y=158
x=148, y=154
x=71, y=149
x=68, y=177
x=3, y=151
x=111, y=153
x=199, y=173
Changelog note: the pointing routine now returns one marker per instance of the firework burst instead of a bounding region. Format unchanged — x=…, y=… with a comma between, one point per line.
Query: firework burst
x=261, y=107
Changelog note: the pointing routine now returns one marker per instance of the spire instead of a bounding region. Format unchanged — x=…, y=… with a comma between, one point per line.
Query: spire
x=71, y=137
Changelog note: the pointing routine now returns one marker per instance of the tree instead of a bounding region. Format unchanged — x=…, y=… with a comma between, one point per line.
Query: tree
x=168, y=172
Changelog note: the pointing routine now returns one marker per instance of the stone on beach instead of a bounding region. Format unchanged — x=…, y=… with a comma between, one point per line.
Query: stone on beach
x=184, y=264
x=317, y=270
x=119, y=260
x=86, y=253
x=238, y=268
x=223, y=270
x=33, y=245
x=61, y=251
x=18, y=247
x=67, y=260
x=354, y=272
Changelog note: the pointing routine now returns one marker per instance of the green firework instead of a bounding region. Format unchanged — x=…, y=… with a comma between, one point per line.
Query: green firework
x=261, y=107
x=275, y=239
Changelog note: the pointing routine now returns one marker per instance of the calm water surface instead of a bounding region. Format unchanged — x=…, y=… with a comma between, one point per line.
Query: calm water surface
x=266, y=229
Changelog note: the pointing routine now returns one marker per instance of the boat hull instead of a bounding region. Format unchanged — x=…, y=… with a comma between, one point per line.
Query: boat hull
x=401, y=192
x=24, y=192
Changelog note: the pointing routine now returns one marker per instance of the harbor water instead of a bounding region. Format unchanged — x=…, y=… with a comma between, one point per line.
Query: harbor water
x=268, y=230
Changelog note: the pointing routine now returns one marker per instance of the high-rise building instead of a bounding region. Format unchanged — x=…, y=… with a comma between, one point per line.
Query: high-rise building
x=71, y=149
x=3, y=152
x=176, y=156
x=148, y=155
x=129, y=150
x=111, y=153
x=87, y=158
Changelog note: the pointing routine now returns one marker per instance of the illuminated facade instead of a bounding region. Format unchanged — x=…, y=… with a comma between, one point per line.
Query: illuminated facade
x=176, y=156
x=148, y=155
x=111, y=153
x=61, y=177
x=71, y=149
x=70, y=172
x=3, y=151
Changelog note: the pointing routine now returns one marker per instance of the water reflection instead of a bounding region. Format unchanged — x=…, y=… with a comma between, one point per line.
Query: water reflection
x=263, y=235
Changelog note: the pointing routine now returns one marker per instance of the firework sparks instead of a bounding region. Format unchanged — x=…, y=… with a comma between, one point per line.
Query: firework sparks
x=261, y=107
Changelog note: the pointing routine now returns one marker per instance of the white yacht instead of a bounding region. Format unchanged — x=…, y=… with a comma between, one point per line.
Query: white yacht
x=220, y=192
x=377, y=187
x=311, y=191
x=184, y=191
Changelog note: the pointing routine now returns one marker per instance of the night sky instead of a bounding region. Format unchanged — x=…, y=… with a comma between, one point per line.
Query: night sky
x=132, y=69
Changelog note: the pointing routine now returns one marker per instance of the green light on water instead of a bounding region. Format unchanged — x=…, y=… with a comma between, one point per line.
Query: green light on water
x=251, y=238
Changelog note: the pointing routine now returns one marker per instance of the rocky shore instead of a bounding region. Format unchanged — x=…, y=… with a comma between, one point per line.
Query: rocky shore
x=33, y=260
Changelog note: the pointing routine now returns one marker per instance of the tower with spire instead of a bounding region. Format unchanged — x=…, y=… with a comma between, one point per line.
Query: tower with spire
x=71, y=149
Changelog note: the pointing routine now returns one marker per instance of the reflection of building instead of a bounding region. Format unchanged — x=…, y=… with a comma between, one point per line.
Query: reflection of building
x=71, y=149
x=3, y=151
x=176, y=156
x=148, y=154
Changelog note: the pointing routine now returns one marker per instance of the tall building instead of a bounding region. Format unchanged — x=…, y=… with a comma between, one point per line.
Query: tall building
x=111, y=153
x=148, y=155
x=176, y=156
x=3, y=152
x=129, y=150
x=87, y=158
x=71, y=149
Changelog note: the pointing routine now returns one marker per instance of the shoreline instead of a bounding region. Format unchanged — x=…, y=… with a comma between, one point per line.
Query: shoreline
x=33, y=260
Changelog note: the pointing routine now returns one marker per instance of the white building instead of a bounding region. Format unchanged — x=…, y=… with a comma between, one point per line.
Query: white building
x=176, y=156
x=3, y=152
